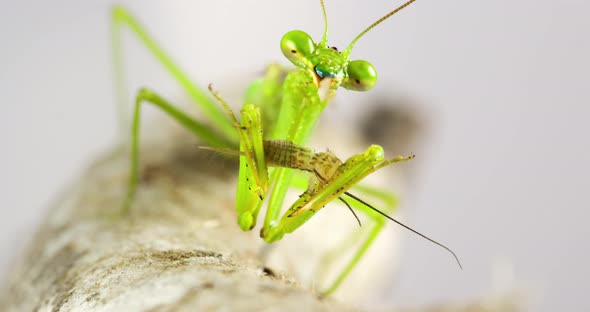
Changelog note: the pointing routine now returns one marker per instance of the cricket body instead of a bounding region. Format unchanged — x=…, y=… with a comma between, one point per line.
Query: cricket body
x=288, y=104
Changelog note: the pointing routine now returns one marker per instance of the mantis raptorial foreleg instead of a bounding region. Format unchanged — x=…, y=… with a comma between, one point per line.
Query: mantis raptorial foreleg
x=253, y=176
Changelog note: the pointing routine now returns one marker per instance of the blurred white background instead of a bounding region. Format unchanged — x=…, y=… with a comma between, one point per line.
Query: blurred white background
x=503, y=180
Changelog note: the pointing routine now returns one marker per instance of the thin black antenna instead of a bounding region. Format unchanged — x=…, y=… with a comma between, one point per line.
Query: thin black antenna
x=350, y=208
x=405, y=226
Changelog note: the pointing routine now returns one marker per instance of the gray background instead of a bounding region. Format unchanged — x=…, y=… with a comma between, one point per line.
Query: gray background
x=503, y=179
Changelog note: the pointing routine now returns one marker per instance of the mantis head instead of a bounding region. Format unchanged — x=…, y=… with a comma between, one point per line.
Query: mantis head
x=326, y=62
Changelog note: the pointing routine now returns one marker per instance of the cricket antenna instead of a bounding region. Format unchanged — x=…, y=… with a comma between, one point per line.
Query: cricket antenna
x=405, y=226
x=351, y=210
x=346, y=52
x=324, y=41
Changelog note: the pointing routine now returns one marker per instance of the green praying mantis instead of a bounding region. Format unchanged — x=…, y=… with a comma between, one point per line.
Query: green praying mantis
x=280, y=113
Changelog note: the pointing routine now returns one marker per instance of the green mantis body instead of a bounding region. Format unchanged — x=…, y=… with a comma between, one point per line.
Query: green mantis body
x=276, y=121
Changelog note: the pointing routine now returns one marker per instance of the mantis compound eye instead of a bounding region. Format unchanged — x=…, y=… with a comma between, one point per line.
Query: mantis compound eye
x=361, y=76
x=297, y=46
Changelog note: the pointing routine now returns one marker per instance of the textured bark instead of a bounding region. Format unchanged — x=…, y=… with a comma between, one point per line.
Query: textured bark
x=179, y=249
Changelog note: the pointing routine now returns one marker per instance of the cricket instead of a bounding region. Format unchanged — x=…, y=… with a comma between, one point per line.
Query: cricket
x=279, y=115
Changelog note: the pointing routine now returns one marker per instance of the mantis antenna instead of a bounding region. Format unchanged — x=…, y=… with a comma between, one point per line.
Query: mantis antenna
x=324, y=40
x=346, y=52
x=405, y=226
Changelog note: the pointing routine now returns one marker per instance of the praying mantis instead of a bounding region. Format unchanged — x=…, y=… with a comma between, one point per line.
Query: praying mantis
x=280, y=113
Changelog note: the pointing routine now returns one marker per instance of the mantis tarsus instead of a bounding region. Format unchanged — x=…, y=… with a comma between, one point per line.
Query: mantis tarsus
x=288, y=103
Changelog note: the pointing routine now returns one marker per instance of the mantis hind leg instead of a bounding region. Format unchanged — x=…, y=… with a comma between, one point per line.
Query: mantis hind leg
x=194, y=126
x=388, y=202
x=122, y=18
